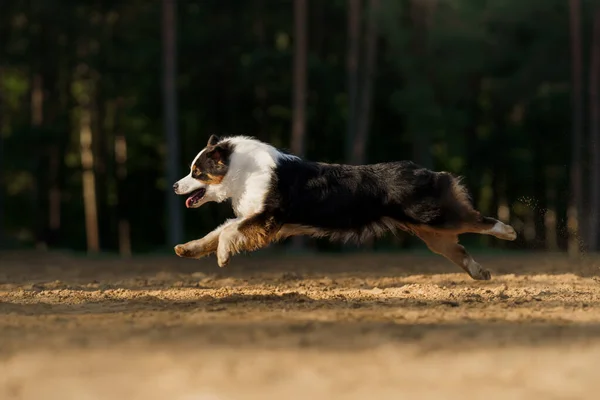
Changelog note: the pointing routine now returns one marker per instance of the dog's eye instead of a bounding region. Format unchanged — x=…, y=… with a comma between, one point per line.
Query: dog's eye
x=197, y=174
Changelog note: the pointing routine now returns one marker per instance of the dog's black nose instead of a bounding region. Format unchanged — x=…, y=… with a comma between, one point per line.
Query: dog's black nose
x=175, y=186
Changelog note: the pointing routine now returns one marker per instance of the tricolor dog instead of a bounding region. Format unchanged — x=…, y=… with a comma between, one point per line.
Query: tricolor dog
x=277, y=195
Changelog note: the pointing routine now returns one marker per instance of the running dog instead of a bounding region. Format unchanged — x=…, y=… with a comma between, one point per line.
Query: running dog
x=276, y=195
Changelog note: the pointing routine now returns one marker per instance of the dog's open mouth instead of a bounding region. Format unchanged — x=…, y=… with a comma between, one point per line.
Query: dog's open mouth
x=195, y=197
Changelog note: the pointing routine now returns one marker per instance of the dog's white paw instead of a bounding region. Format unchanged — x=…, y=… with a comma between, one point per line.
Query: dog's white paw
x=503, y=231
x=223, y=254
x=181, y=250
x=223, y=261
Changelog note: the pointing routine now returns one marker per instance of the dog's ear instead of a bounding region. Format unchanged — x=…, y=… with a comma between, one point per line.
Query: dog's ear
x=213, y=140
x=219, y=154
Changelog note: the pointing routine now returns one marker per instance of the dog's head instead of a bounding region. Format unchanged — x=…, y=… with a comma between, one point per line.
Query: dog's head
x=204, y=182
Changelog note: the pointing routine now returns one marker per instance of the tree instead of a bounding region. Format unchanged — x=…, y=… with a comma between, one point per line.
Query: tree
x=174, y=215
x=86, y=92
x=575, y=202
x=421, y=78
x=37, y=118
x=359, y=148
x=120, y=151
x=299, y=76
x=594, y=139
x=1, y=170
x=352, y=67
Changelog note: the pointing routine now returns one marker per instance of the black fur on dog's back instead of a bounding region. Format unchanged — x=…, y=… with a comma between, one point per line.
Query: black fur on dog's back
x=361, y=200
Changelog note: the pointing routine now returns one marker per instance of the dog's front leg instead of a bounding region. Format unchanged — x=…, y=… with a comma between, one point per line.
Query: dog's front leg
x=246, y=235
x=202, y=247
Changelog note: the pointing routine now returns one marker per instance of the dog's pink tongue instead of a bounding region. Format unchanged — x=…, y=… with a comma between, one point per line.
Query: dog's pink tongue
x=189, y=201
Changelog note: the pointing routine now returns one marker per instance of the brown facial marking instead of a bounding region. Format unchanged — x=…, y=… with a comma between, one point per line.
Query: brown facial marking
x=213, y=164
x=213, y=179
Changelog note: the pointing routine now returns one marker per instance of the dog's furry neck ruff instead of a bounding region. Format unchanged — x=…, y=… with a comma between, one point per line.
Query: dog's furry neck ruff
x=250, y=174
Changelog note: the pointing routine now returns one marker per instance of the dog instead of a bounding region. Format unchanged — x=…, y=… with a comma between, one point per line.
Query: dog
x=276, y=195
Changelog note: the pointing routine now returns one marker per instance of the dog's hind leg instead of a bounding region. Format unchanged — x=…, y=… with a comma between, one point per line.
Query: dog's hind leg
x=447, y=245
x=458, y=209
x=250, y=234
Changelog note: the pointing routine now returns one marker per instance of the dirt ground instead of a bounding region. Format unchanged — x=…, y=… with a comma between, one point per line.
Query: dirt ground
x=294, y=327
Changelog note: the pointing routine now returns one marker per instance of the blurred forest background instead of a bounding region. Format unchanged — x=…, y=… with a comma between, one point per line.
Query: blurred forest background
x=103, y=105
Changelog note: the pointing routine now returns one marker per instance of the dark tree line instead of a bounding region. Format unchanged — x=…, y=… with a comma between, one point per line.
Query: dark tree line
x=104, y=104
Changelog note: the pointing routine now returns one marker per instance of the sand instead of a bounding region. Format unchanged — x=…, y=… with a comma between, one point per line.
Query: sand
x=297, y=327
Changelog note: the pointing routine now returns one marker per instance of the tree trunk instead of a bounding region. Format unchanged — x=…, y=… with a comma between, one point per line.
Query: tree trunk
x=550, y=220
x=359, y=148
x=299, y=72
x=594, y=139
x=575, y=202
x=260, y=88
x=174, y=215
x=298, y=143
x=88, y=177
x=37, y=119
x=352, y=66
x=1, y=169
x=99, y=143
x=54, y=196
x=123, y=226
x=421, y=14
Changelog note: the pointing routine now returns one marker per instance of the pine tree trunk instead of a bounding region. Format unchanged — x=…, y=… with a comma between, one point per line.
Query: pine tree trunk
x=99, y=148
x=421, y=14
x=2, y=244
x=575, y=202
x=550, y=217
x=88, y=176
x=299, y=73
x=37, y=119
x=260, y=89
x=120, y=150
x=54, y=196
x=594, y=140
x=359, y=148
x=174, y=214
x=352, y=66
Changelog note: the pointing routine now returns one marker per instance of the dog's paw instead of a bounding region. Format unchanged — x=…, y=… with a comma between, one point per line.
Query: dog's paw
x=482, y=275
x=503, y=231
x=477, y=272
x=223, y=259
x=181, y=251
x=510, y=233
x=223, y=256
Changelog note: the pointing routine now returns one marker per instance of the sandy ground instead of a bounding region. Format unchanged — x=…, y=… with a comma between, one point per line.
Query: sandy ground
x=265, y=327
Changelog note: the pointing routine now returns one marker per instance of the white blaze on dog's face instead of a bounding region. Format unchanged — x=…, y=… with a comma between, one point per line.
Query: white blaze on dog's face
x=203, y=183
